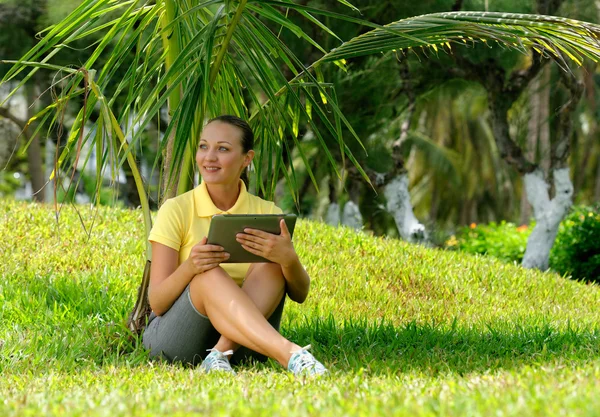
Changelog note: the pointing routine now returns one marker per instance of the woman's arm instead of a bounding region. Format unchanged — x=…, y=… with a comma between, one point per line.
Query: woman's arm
x=297, y=280
x=167, y=280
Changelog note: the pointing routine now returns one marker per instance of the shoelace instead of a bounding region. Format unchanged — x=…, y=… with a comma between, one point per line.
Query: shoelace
x=220, y=362
x=303, y=360
x=301, y=349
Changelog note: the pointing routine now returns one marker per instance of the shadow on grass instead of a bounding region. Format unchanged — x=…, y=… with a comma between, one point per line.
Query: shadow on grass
x=75, y=324
x=385, y=348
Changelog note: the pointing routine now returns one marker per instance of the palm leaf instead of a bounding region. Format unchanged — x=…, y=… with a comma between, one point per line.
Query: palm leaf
x=560, y=38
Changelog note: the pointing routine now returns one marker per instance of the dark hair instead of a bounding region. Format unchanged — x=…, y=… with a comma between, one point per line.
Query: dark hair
x=247, y=135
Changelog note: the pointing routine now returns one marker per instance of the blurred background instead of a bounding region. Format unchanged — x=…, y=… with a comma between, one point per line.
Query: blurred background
x=423, y=114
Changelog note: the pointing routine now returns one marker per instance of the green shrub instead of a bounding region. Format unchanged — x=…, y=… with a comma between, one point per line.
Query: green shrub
x=504, y=241
x=576, y=250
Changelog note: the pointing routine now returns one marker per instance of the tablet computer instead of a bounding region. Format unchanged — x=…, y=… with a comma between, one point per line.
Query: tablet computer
x=224, y=228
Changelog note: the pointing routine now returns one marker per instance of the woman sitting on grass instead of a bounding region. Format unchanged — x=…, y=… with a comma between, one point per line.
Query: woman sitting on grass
x=199, y=305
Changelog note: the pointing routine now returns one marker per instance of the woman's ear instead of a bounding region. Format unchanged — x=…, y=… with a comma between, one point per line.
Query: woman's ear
x=248, y=158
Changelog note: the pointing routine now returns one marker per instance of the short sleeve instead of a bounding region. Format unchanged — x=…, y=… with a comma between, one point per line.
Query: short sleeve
x=275, y=210
x=168, y=226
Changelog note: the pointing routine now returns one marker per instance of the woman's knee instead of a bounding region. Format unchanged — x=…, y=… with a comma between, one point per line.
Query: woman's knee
x=201, y=284
x=206, y=277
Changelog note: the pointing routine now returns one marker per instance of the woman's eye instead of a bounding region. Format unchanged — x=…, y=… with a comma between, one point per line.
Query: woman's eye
x=202, y=146
x=223, y=148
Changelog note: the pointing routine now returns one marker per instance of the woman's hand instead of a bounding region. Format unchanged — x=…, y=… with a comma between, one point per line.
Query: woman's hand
x=205, y=257
x=275, y=248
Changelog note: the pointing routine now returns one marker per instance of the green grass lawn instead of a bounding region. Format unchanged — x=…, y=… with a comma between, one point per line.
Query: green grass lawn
x=404, y=330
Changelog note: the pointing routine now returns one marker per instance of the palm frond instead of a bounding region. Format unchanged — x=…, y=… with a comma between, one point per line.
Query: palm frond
x=557, y=37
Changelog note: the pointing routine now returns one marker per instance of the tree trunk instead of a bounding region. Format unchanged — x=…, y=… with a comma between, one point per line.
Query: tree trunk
x=34, y=152
x=351, y=216
x=589, y=135
x=399, y=205
x=544, y=122
x=333, y=214
x=170, y=41
x=533, y=132
x=538, y=131
x=396, y=190
x=548, y=214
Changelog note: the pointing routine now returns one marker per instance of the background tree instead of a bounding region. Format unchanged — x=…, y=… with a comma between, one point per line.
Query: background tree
x=490, y=68
x=20, y=22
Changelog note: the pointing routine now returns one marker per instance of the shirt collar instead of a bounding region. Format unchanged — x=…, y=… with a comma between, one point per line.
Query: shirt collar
x=206, y=208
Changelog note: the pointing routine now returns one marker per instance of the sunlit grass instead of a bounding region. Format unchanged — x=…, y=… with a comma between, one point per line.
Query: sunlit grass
x=405, y=330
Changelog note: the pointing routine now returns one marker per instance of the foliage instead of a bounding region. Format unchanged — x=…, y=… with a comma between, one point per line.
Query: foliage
x=406, y=330
x=9, y=182
x=202, y=60
x=576, y=250
x=503, y=240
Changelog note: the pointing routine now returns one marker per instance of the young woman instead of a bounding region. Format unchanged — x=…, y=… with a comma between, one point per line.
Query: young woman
x=199, y=304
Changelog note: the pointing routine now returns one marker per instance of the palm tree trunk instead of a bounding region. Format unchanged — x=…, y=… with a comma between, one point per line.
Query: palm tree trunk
x=171, y=45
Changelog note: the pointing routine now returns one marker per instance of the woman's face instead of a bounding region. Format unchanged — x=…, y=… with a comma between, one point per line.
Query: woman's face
x=220, y=156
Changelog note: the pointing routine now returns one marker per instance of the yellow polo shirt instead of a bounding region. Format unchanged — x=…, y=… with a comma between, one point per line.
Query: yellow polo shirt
x=182, y=221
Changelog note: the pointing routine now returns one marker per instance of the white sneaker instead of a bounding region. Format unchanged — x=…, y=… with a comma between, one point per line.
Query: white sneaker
x=303, y=362
x=217, y=361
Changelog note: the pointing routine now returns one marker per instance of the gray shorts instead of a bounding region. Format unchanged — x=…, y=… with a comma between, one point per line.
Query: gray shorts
x=182, y=334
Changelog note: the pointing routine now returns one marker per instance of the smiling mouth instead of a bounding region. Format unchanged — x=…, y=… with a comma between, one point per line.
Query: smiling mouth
x=212, y=169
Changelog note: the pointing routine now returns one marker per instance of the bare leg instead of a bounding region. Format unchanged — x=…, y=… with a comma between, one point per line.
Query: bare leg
x=236, y=316
x=265, y=286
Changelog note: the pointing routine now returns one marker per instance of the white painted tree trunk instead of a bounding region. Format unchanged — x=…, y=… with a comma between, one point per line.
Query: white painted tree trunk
x=333, y=214
x=398, y=204
x=351, y=216
x=548, y=214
